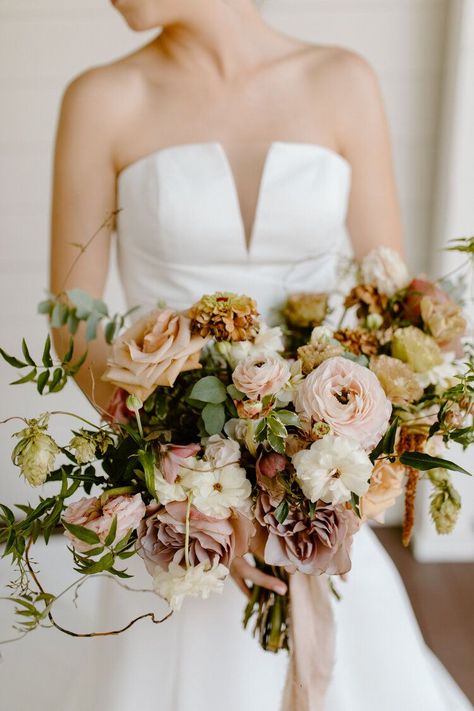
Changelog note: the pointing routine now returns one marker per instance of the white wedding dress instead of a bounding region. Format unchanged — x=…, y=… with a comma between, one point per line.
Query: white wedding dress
x=180, y=234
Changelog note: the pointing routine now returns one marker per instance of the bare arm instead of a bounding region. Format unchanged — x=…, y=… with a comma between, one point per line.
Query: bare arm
x=83, y=197
x=374, y=212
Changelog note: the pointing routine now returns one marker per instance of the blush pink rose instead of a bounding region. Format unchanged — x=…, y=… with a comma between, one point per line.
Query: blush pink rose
x=386, y=485
x=153, y=352
x=261, y=375
x=89, y=513
x=349, y=398
x=161, y=537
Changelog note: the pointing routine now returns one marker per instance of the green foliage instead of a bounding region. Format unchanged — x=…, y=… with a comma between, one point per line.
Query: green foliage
x=209, y=390
x=47, y=376
x=213, y=416
x=84, y=309
x=425, y=462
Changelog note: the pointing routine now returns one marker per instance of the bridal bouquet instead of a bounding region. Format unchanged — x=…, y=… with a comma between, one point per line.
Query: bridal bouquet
x=226, y=436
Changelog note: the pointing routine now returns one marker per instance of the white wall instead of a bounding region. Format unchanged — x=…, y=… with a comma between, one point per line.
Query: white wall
x=44, y=44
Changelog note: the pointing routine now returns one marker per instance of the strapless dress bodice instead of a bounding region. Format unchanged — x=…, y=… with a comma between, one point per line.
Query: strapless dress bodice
x=181, y=234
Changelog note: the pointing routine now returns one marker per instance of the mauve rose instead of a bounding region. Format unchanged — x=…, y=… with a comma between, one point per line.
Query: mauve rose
x=161, y=537
x=312, y=546
x=261, y=375
x=349, y=398
x=89, y=513
x=172, y=458
x=153, y=352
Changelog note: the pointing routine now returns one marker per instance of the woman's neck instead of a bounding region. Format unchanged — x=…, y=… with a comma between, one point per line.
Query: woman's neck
x=224, y=36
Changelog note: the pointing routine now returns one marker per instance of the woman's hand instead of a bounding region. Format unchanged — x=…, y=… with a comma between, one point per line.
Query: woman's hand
x=242, y=571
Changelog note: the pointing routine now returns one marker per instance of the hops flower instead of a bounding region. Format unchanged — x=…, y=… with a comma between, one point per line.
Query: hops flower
x=85, y=445
x=225, y=317
x=445, y=502
x=332, y=469
x=36, y=451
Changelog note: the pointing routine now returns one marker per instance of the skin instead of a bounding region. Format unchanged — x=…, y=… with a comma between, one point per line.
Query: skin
x=216, y=72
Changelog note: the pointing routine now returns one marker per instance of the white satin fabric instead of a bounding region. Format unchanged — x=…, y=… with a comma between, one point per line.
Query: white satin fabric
x=180, y=233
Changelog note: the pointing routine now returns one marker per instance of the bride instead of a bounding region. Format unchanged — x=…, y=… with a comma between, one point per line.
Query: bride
x=233, y=158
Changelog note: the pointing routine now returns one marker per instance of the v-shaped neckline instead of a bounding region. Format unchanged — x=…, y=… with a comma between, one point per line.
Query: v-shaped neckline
x=247, y=241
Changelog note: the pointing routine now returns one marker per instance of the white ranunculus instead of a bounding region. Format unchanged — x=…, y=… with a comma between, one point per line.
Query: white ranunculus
x=385, y=268
x=167, y=492
x=177, y=583
x=333, y=468
x=220, y=451
x=215, y=492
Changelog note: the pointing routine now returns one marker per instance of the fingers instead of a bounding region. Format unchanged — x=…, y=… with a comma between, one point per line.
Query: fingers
x=242, y=570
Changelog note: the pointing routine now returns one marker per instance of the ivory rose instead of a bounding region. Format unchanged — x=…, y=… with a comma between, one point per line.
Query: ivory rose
x=89, y=513
x=152, y=352
x=386, y=485
x=348, y=397
x=261, y=375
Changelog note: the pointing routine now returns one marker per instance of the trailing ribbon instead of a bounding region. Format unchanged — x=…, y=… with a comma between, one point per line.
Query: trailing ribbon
x=312, y=642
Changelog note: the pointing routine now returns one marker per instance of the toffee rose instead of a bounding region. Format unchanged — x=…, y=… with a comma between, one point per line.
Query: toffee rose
x=153, y=352
x=89, y=513
x=316, y=545
x=348, y=397
x=161, y=537
x=260, y=375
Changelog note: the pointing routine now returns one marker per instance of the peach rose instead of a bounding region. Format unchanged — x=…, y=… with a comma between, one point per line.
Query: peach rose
x=386, y=485
x=89, y=513
x=152, y=352
x=348, y=397
x=261, y=375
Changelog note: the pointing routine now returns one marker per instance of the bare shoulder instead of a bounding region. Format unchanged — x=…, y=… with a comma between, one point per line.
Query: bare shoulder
x=113, y=83
x=344, y=71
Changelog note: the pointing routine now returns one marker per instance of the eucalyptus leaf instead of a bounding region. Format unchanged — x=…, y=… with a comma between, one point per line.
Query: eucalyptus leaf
x=72, y=322
x=83, y=302
x=213, y=416
x=91, y=326
x=209, y=389
x=70, y=351
x=235, y=393
x=60, y=314
x=45, y=307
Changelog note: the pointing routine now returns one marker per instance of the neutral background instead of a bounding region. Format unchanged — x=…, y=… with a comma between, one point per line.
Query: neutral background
x=423, y=53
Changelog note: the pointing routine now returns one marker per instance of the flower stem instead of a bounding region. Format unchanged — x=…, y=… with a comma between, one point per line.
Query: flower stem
x=186, y=535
